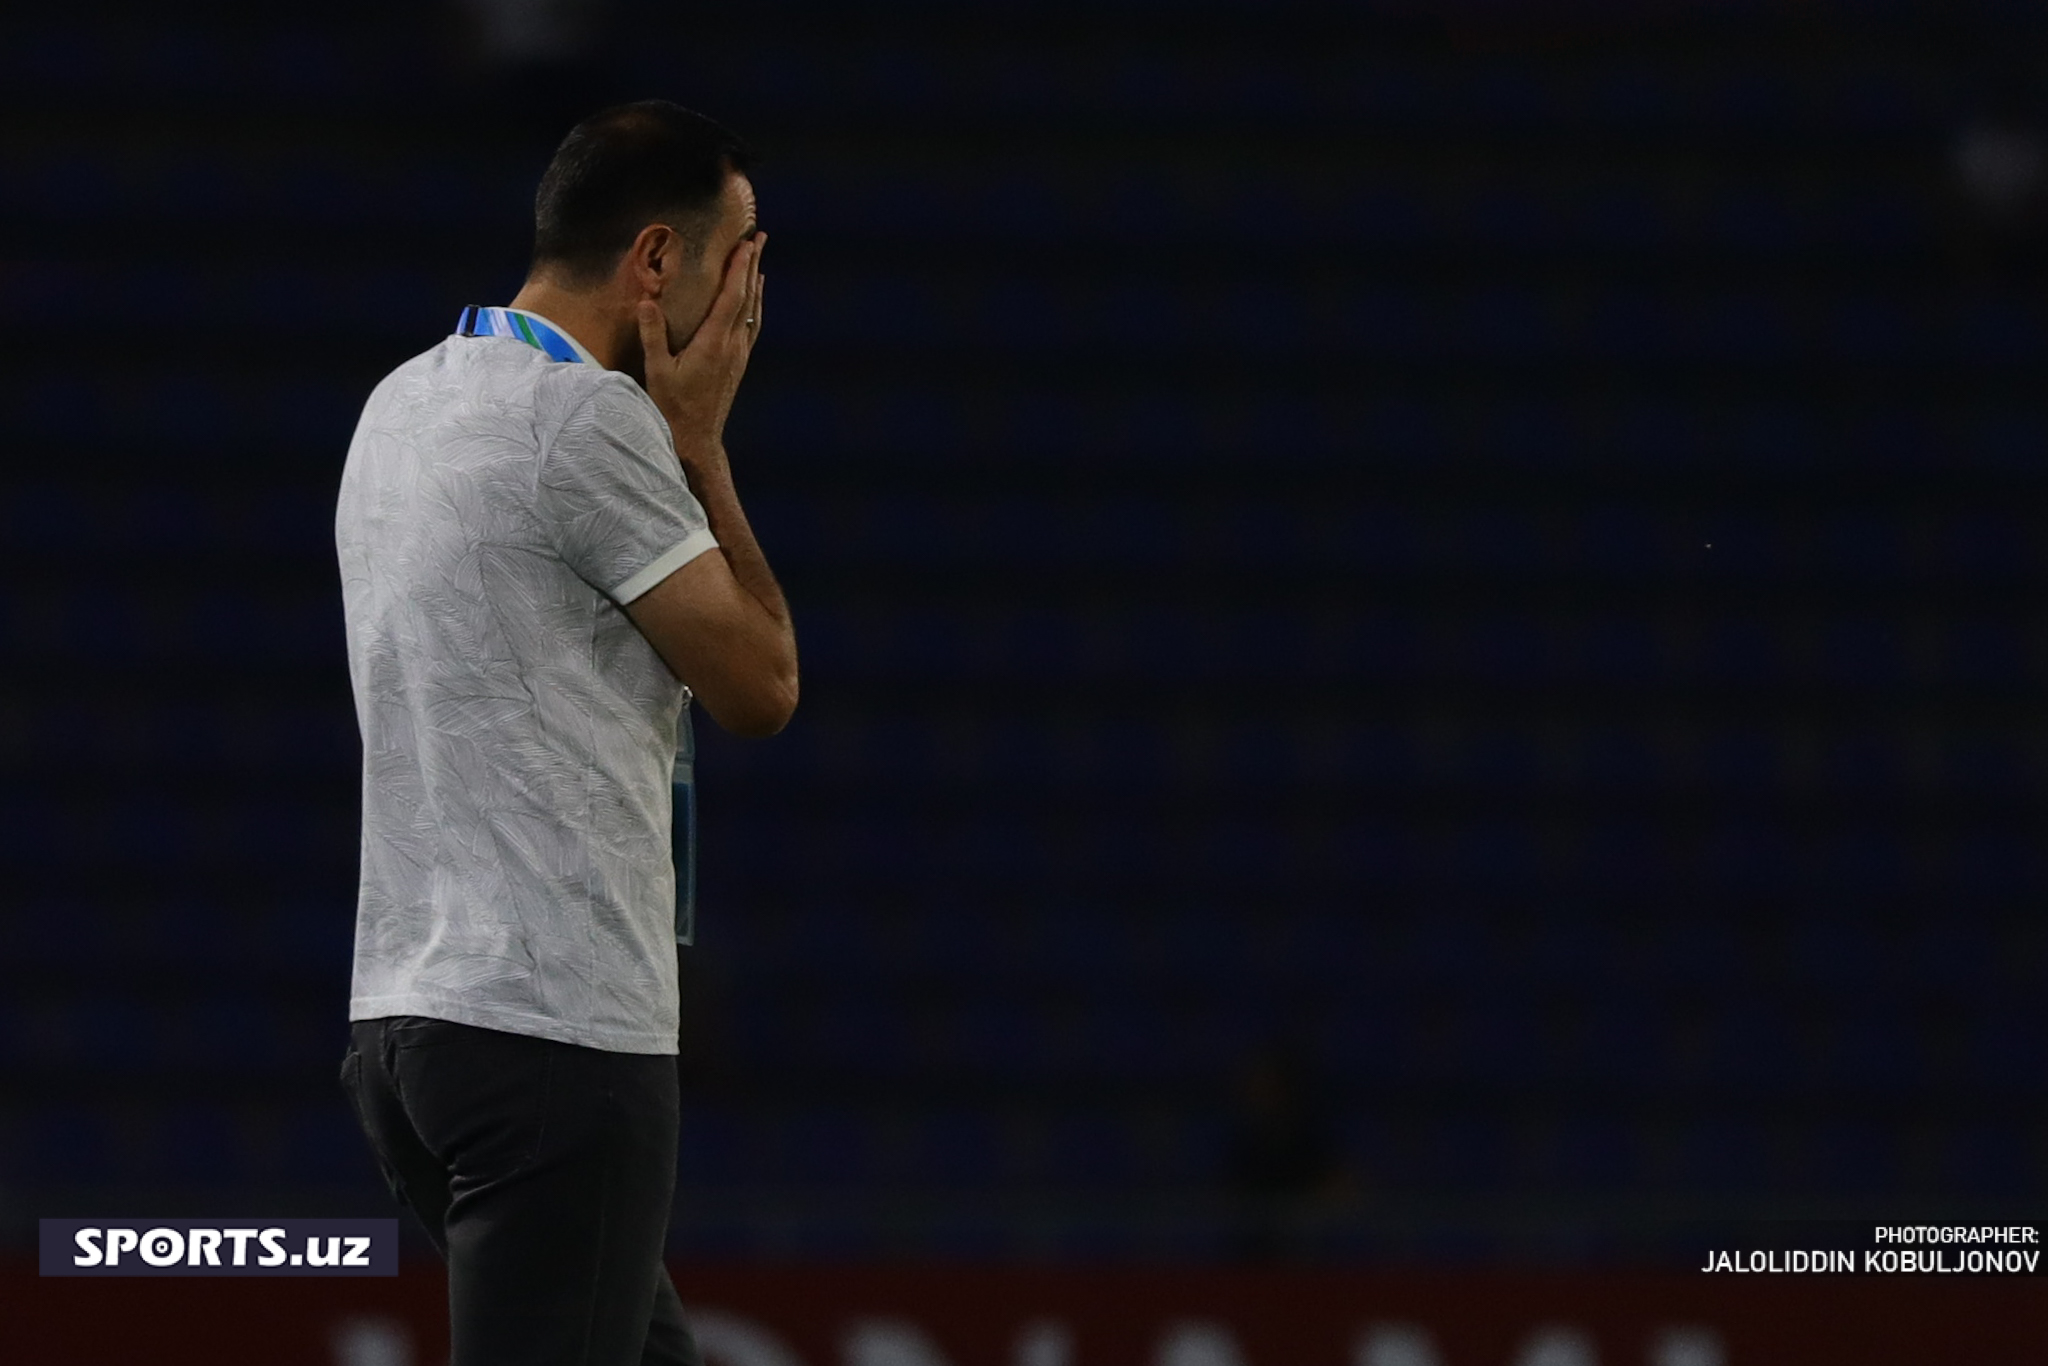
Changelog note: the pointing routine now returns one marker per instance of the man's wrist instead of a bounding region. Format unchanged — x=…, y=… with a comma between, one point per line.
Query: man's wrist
x=699, y=452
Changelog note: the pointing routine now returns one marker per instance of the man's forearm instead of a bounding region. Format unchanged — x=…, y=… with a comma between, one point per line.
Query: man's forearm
x=710, y=479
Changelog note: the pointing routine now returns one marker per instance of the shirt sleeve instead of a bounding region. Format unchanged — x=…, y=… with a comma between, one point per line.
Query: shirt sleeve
x=612, y=499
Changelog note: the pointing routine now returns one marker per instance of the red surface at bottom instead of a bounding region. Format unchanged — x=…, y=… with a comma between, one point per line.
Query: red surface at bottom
x=1112, y=1316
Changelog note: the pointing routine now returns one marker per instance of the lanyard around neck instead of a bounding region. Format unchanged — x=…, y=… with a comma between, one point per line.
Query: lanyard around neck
x=534, y=330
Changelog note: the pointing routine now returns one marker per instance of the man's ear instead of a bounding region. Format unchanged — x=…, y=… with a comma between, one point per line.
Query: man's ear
x=654, y=259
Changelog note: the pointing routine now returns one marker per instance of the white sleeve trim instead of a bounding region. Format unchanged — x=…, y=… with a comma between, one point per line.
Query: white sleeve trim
x=670, y=560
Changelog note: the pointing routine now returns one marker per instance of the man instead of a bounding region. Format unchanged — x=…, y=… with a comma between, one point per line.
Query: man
x=543, y=559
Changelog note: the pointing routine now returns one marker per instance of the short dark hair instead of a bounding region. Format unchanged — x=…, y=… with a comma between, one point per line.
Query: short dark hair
x=621, y=169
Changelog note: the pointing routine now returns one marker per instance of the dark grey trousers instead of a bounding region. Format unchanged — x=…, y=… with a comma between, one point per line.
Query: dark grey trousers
x=543, y=1172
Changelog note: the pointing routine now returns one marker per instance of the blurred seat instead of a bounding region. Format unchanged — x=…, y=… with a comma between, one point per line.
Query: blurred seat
x=1499, y=1041
x=1621, y=540
x=1511, y=217
x=2002, y=332
x=1985, y=1159
x=959, y=1149
x=1635, y=328
x=68, y=1143
x=1620, y=1036
x=1131, y=1042
x=1001, y=1034
x=1867, y=866
x=1515, y=651
x=1776, y=437
x=1504, y=326
x=825, y=1145
x=2007, y=1044
x=1865, y=655
x=720, y=1147
x=1840, y=952
x=1741, y=761
x=1622, y=759
x=1877, y=330
x=1461, y=1153
x=1594, y=1154
x=1991, y=869
x=1383, y=320
x=1385, y=213
x=1991, y=544
x=1495, y=857
x=194, y=1145
x=1723, y=1156
x=1622, y=651
x=1089, y=1151
x=1754, y=219
x=1849, y=1158
x=1536, y=435
x=1999, y=438
x=1751, y=861
x=318, y=1144
x=1751, y=1045
x=1388, y=648
x=1372, y=1037
x=1869, y=1048
x=1631, y=217
x=1987, y=651
x=1957, y=950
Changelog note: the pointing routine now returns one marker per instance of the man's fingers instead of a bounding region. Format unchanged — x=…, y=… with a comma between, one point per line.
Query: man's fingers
x=653, y=332
x=730, y=306
x=754, y=300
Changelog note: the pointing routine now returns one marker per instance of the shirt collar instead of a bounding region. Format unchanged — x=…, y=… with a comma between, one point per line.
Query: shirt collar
x=522, y=325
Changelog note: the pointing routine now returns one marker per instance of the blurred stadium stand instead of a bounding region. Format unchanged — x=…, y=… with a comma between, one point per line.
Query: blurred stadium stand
x=1506, y=555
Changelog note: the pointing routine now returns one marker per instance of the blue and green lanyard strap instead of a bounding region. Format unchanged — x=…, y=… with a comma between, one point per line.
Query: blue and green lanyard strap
x=535, y=331
x=538, y=333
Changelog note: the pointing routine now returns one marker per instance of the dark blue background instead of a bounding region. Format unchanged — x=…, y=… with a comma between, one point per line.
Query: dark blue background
x=1498, y=549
